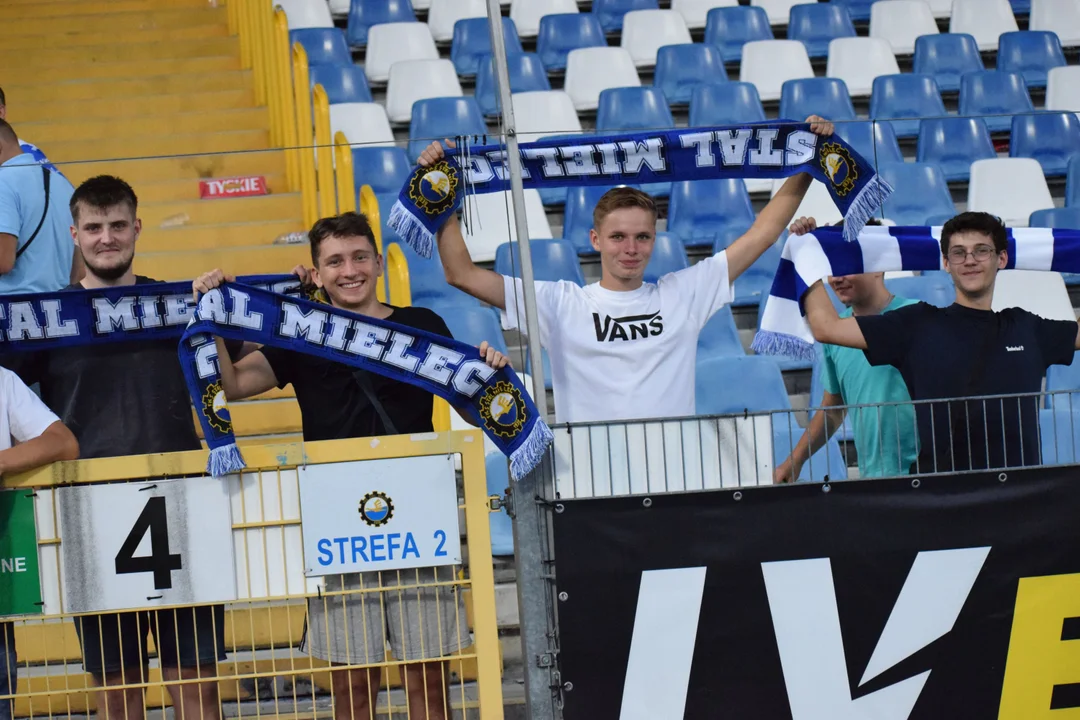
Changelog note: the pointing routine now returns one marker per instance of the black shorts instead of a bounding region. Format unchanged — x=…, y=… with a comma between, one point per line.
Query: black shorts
x=185, y=637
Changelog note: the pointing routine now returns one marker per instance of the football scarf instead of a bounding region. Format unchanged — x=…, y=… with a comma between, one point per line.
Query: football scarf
x=775, y=149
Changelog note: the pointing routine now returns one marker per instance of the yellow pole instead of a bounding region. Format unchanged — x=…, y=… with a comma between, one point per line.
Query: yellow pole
x=230, y=11
x=324, y=153
x=397, y=267
x=288, y=110
x=265, y=28
x=369, y=206
x=302, y=100
x=244, y=32
x=343, y=169
x=258, y=67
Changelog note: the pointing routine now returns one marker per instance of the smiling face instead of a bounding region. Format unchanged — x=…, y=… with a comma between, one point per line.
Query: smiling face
x=973, y=262
x=348, y=268
x=106, y=237
x=625, y=239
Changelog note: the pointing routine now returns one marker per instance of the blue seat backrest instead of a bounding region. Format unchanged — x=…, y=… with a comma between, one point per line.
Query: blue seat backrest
x=441, y=118
x=526, y=72
x=553, y=260
x=827, y=97
x=475, y=324
x=365, y=13
x=730, y=103
x=681, y=68
x=1072, y=183
x=816, y=24
x=561, y=33
x=1059, y=430
x=342, y=83
x=385, y=169
x=729, y=28
x=709, y=212
x=472, y=41
x=947, y=57
x=502, y=527
x=996, y=96
x=668, y=256
x=324, y=46
x=1066, y=217
x=720, y=336
x=1032, y=53
x=730, y=384
x=857, y=9
x=633, y=108
x=874, y=141
x=953, y=143
x=909, y=97
x=1052, y=138
x=936, y=289
x=919, y=191
x=610, y=12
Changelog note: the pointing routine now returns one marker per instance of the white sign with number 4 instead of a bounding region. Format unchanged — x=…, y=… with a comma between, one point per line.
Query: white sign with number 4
x=144, y=544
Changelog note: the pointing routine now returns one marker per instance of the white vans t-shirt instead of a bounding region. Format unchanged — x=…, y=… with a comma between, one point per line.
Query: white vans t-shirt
x=624, y=355
x=22, y=414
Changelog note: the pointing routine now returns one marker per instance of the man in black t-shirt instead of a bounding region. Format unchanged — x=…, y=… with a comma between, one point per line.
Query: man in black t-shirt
x=963, y=351
x=338, y=401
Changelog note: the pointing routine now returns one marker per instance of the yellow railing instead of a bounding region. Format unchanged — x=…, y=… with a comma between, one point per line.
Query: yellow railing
x=304, y=135
x=397, y=270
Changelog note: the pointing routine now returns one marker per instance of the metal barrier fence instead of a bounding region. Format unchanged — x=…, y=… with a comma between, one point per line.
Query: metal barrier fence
x=251, y=553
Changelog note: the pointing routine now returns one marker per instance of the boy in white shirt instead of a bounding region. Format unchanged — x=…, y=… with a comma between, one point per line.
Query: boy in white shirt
x=624, y=349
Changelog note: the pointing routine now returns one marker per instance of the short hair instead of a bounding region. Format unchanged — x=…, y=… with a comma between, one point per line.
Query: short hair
x=7, y=132
x=979, y=222
x=348, y=224
x=619, y=198
x=103, y=192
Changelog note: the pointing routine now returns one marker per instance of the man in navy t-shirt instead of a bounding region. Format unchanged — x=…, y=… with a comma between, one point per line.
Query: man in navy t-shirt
x=963, y=351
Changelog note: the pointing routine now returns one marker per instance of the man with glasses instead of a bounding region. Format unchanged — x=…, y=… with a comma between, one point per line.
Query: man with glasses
x=963, y=351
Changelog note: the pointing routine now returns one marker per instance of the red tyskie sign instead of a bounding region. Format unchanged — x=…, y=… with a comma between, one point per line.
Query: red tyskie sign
x=232, y=187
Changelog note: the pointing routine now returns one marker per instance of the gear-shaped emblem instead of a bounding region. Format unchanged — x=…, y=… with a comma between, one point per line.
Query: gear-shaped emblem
x=434, y=191
x=503, y=409
x=376, y=508
x=216, y=410
x=840, y=168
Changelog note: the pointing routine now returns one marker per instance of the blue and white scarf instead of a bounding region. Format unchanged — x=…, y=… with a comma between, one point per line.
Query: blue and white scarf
x=775, y=149
x=824, y=253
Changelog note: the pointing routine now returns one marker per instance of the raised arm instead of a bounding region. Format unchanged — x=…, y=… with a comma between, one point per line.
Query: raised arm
x=823, y=425
x=826, y=324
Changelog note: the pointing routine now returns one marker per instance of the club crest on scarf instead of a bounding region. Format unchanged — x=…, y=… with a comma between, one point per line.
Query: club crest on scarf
x=502, y=409
x=215, y=409
x=435, y=191
x=839, y=167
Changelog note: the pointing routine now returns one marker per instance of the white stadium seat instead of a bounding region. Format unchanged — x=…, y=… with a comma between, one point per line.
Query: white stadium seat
x=1063, y=88
x=526, y=14
x=1060, y=16
x=389, y=43
x=900, y=22
x=306, y=13
x=544, y=112
x=363, y=123
x=646, y=31
x=339, y=8
x=1037, y=291
x=986, y=20
x=817, y=203
x=444, y=13
x=412, y=80
x=857, y=61
x=492, y=222
x=941, y=8
x=1011, y=188
x=590, y=71
x=421, y=4
x=768, y=64
x=695, y=12
x=777, y=10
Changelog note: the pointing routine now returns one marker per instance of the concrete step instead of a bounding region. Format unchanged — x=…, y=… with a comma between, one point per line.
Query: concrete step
x=41, y=75
x=116, y=25
x=100, y=90
x=255, y=260
x=64, y=8
x=89, y=39
x=186, y=189
x=149, y=146
x=133, y=128
x=16, y=59
x=284, y=206
x=256, y=233
x=184, y=167
x=54, y=111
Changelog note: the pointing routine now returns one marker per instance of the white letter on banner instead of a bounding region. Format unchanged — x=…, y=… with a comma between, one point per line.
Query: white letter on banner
x=53, y=326
x=800, y=147
x=497, y=158
x=479, y=170
x=178, y=309
x=733, y=145
x=212, y=307
x=438, y=357
x=338, y=327
x=702, y=144
x=24, y=323
x=120, y=316
x=205, y=357
x=765, y=153
x=463, y=381
x=295, y=323
x=368, y=340
x=400, y=342
x=551, y=167
x=240, y=315
x=609, y=159
x=649, y=152
x=578, y=160
x=149, y=312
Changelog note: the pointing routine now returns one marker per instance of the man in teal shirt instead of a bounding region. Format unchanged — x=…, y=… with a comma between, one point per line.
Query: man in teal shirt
x=885, y=435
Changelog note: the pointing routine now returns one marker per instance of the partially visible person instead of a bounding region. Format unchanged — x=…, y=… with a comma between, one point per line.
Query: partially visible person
x=29, y=148
x=886, y=441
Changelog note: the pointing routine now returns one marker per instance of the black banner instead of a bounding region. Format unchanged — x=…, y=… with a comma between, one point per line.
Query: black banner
x=947, y=597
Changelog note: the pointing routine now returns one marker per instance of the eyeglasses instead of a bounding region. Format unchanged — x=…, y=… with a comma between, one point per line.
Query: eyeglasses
x=957, y=255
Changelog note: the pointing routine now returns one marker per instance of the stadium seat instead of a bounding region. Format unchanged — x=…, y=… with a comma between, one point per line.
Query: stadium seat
x=906, y=97
x=610, y=13
x=492, y=223
x=857, y=61
x=874, y=141
x=1072, y=183
x=827, y=97
x=590, y=71
x=364, y=123
x=342, y=83
x=527, y=14
x=681, y=68
x=985, y=20
x=827, y=464
x=901, y=23
x=778, y=11
x=421, y=5
x=755, y=282
x=1066, y=217
x=994, y=96
x=552, y=260
x=695, y=12
x=498, y=481
x=427, y=279
x=728, y=385
x=947, y=57
x=324, y=46
x=306, y=14
x=385, y=169
x=935, y=288
x=578, y=215
x=440, y=118
x=709, y=212
x=720, y=337
x=816, y=24
x=954, y=143
x=364, y=14
x=1063, y=88
x=768, y=64
x=919, y=191
x=559, y=34
x=542, y=113
x=444, y=14
x=731, y=103
x=632, y=108
x=1038, y=292
x=668, y=256
x=1050, y=138
x=1011, y=188
x=817, y=203
x=1032, y=53
x=526, y=75
x=1059, y=16
x=646, y=31
x=1059, y=429
x=858, y=10
x=389, y=43
x=474, y=325
x=729, y=28
x=412, y=80
x=338, y=8
x=1062, y=379
x=472, y=43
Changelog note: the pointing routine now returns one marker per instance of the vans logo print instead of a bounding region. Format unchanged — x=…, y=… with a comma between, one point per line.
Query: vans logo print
x=632, y=327
x=1014, y=348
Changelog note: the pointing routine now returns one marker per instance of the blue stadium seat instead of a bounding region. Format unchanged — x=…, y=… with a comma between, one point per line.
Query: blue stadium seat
x=1072, y=183
x=668, y=256
x=681, y=68
x=1021, y=7
x=476, y=324
x=954, y=143
x=427, y=280
x=502, y=527
x=709, y=212
x=324, y=46
x=545, y=362
x=816, y=24
x=906, y=96
x=935, y=288
x=755, y=282
x=826, y=464
x=994, y=96
x=874, y=141
x=472, y=41
x=857, y=9
x=827, y=97
x=559, y=34
x=439, y=118
x=578, y=216
x=720, y=337
x=1064, y=379
x=342, y=83
x=729, y=28
x=610, y=12
x=526, y=74
x=365, y=13
x=1052, y=138
x=948, y=57
x=1066, y=217
x=385, y=169
x=633, y=108
x=1059, y=431
x=732, y=384
x=730, y=103
x=1032, y=53
x=553, y=260
x=919, y=191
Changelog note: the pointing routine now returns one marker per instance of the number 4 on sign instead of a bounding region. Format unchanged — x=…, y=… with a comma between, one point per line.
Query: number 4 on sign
x=159, y=561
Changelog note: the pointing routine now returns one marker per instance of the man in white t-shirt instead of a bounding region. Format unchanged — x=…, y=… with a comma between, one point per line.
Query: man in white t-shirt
x=624, y=349
x=42, y=439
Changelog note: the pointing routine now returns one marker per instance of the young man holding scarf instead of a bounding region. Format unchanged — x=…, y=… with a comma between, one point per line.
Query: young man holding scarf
x=623, y=332
x=338, y=401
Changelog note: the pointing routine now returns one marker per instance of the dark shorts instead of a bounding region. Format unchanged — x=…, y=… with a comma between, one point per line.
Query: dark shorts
x=185, y=637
